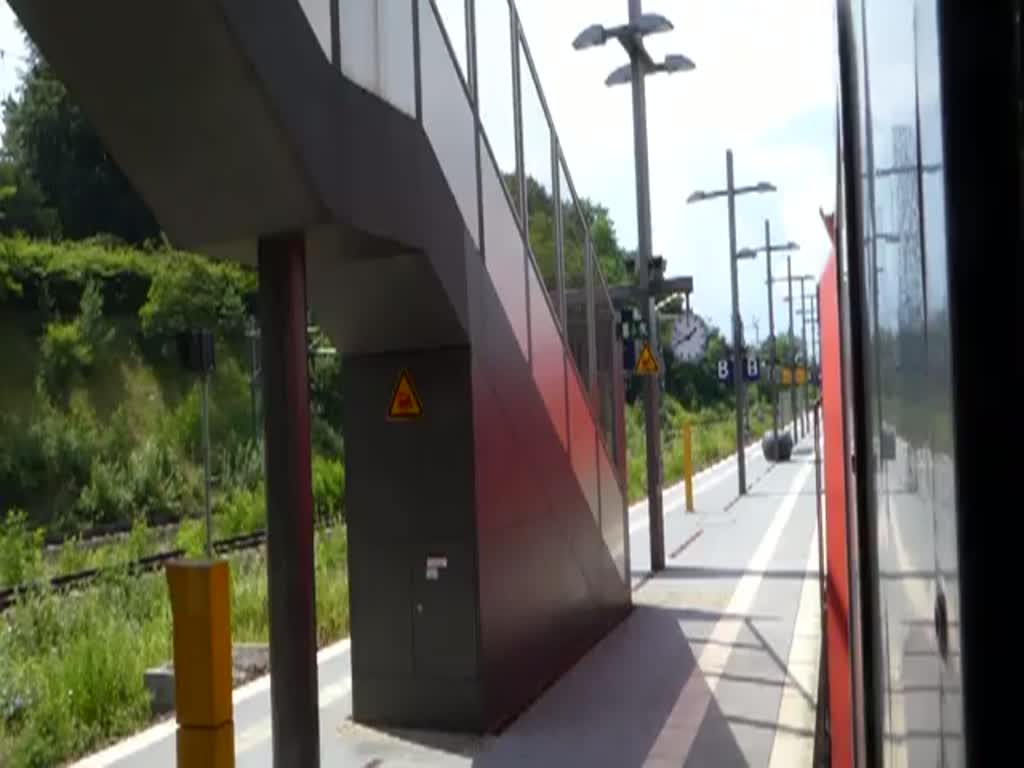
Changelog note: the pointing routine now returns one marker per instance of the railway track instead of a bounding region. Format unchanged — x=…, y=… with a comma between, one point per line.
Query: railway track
x=72, y=581
x=100, y=535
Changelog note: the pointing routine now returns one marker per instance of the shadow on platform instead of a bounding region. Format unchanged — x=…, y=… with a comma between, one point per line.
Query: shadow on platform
x=636, y=699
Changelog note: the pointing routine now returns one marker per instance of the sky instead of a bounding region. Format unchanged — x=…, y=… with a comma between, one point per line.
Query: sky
x=12, y=48
x=763, y=86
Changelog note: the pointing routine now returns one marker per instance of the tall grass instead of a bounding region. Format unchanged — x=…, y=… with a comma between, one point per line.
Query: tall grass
x=20, y=558
x=71, y=666
x=331, y=559
x=713, y=434
x=77, y=665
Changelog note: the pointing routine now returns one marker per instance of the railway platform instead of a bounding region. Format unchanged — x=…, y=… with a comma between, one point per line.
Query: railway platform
x=717, y=664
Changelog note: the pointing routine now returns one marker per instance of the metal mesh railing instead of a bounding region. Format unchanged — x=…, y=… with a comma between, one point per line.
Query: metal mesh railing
x=491, y=60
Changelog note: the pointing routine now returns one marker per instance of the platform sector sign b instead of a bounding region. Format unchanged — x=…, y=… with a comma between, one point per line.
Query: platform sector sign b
x=751, y=369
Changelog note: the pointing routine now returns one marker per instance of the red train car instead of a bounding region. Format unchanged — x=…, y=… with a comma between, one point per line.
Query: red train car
x=837, y=590
x=921, y=320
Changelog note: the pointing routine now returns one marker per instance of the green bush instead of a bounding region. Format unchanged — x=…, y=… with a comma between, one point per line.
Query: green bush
x=238, y=512
x=240, y=465
x=73, y=557
x=160, y=488
x=326, y=440
x=191, y=537
x=139, y=542
x=68, y=350
x=121, y=433
x=713, y=432
x=46, y=457
x=80, y=661
x=20, y=549
x=71, y=666
x=249, y=598
x=636, y=453
x=92, y=323
x=170, y=289
x=328, y=487
x=326, y=394
x=330, y=558
x=191, y=292
x=107, y=498
x=104, y=424
x=70, y=440
x=230, y=413
x=10, y=285
x=242, y=511
x=64, y=356
x=151, y=483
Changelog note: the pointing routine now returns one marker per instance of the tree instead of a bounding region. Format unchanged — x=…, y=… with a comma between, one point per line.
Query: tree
x=784, y=348
x=22, y=207
x=610, y=254
x=52, y=148
x=695, y=384
x=541, y=213
x=190, y=292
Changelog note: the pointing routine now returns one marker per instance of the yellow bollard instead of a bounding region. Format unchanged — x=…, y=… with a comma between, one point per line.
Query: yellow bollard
x=201, y=609
x=206, y=747
x=688, y=466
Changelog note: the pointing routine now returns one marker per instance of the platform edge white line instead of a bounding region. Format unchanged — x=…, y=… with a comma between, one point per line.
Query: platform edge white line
x=157, y=733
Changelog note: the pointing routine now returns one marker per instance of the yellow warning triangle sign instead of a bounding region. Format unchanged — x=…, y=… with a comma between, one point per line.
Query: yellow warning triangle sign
x=405, y=403
x=646, y=364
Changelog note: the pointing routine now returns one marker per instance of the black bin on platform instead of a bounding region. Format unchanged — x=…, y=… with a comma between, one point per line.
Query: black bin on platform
x=777, y=448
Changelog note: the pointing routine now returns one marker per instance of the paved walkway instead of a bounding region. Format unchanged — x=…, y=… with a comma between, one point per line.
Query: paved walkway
x=717, y=665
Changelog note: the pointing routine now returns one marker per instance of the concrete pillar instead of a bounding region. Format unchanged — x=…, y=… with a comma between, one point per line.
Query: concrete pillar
x=293, y=672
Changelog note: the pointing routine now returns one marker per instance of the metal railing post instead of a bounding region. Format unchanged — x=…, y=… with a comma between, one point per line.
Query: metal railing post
x=517, y=116
x=556, y=194
x=588, y=282
x=688, y=465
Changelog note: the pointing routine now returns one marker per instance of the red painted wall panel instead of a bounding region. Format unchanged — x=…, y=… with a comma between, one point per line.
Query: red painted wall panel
x=837, y=588
x=583, y=444
x=548, y=586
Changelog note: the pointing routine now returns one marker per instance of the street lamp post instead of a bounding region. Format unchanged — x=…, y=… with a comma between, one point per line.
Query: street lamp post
x=768, y=248
x=631, y=36
x=792, y=352
x=812, y=320
x=816, y=328
x=803, y=336
x=737, y=332
x=797, y=419
x=730, y=192
x=773, y=369
x=810, y=316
